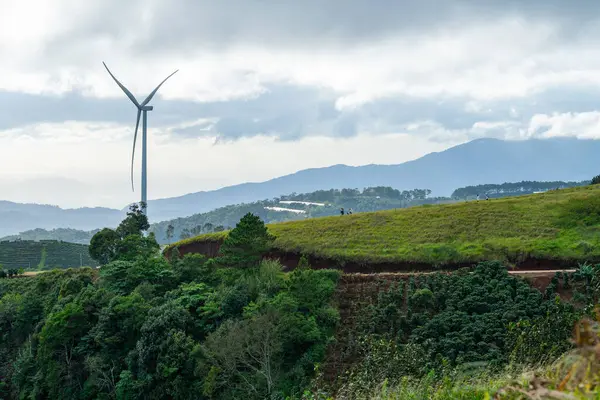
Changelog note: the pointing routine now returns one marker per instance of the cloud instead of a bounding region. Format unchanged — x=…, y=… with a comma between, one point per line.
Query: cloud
x=259, y=77
x=85, y=155
x=362, y=50
x=584, y=125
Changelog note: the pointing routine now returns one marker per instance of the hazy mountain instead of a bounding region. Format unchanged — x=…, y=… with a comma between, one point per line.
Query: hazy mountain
x=61, y=234
x=16, y=217
x=482, y=161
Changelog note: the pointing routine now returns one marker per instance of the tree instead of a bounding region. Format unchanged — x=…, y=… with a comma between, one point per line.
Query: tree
x=596, y=180
x=249, y=350
x=185, y=234
x=103, y=246
x=126, y=242
x=170, y=232
x=208, y=227
x=246, y=243
x=136, y=222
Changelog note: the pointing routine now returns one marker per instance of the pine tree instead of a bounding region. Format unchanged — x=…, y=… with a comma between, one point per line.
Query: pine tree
x=246, y=243
x=170, y=232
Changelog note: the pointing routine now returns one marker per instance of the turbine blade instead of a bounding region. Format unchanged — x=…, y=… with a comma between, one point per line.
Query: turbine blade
x=151, y=95
x=123, y=88
x=137, y=124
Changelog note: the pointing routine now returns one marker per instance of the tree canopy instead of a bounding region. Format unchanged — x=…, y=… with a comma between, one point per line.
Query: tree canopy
x=246, y=243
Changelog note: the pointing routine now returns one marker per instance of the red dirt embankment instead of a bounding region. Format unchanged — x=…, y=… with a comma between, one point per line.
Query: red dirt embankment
x=290, y=261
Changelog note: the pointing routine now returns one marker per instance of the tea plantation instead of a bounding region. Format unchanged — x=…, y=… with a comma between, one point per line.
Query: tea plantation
x=40, y=255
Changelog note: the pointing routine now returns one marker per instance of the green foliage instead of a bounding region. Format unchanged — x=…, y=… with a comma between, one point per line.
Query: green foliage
x=595, y=180
x=556, y=225
x=485, y=317
x=135, y=223
x=126, y=243
x=11, y=272
x=303, y=262
x=103, y=246
x=142, y=327
x=246, y=243
x=124, y=276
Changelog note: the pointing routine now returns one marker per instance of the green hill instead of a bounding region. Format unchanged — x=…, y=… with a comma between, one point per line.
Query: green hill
x=44, y=255
x=294, y=207
x=561, y=225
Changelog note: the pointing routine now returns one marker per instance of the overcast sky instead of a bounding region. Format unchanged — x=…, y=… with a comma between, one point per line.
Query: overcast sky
x=266, y=88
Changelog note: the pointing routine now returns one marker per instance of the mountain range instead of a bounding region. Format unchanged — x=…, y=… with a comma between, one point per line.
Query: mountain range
x=481, y=161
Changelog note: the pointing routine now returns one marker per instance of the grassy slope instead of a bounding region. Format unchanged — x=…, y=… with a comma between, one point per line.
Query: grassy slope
x=561, y=225
x=22, y=254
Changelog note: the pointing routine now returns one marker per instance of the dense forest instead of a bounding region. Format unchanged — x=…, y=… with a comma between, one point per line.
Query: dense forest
x=236, y=326
x=144, y=328
x=483, y=318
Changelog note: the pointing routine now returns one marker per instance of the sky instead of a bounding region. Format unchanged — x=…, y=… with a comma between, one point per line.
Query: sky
x=267, y=88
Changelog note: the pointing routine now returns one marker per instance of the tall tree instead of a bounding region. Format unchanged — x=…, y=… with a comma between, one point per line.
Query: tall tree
x=196, y=230
x=124, y=242
x=135, y=223
x=246, y=243
x=170, y=232
x=185, y=234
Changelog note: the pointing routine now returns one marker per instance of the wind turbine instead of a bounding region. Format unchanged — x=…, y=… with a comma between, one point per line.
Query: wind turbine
x=142, y=108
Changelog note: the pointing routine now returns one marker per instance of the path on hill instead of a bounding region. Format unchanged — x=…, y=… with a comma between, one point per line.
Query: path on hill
x=532, y=273
x=541, y=271
x=538, y=272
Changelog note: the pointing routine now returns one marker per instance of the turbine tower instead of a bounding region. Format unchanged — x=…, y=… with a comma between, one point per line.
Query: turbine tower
x=143, y=108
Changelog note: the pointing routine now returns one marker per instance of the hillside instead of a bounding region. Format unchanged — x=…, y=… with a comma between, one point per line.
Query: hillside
x=482, y=161
x=304, y=205
x=44, y=255
x=294, y=207
x=556, y=226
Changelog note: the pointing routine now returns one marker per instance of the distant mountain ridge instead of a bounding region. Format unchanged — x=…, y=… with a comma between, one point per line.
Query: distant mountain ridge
x=17, y=217
x=481, y=161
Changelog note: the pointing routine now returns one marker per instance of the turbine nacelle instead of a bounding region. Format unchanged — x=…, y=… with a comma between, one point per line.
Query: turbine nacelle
x=146, y=108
